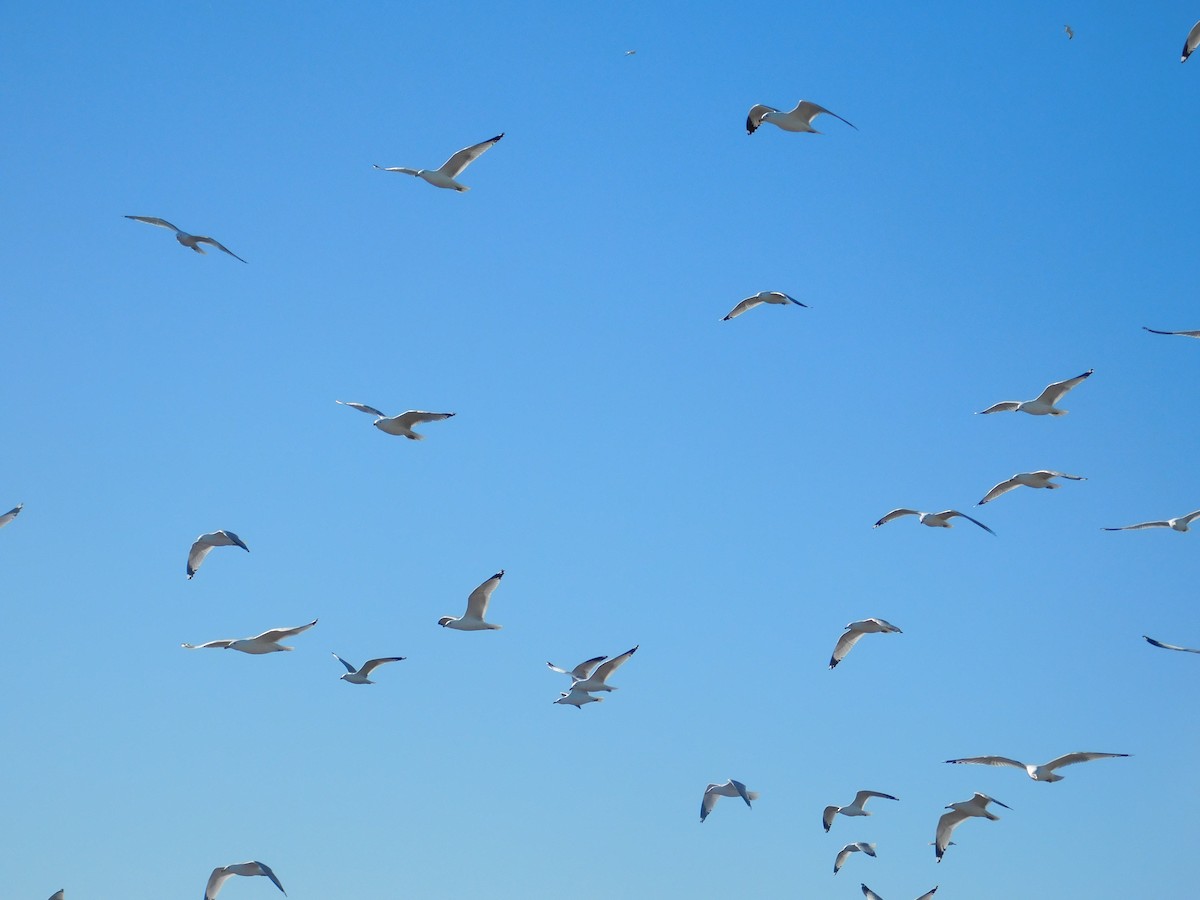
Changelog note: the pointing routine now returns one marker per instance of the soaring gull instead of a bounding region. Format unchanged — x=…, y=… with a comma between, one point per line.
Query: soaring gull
x=222, y=873
x=203, y=546
x=576, y=698
x=1043, y=772
x=845, y=852
x=852, y=809
x=933, y=520
x=959, y=813
x=1180, y=523
x=267, y=642
x=730, y=788
x=1039, y=479
x=856, y=630
x=359, y=676
x=188, y=240
x=1043, y=403
x=798, y=119
x=477, y=604
x=760, y=298
x=451, y=168
x=401, y=424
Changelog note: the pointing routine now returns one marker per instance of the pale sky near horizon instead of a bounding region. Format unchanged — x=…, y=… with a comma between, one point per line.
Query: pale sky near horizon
x=1012, y=209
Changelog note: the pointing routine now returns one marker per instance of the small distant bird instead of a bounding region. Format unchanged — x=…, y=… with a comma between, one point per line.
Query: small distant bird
x=798, y=119
x=11, y=514
x=853, y=809
x=730, y=788
x=854, y=631
x=451, y=168
x=845, y=852
x=598, y=680
x=630, y=52
x=576, y=698
x=204, y=544
x=871, y=895
x=267, y=642
x=1070, y=33
x=1191, y=334
x=222, y=873
x=959, y=813
x=188, y=240
x=1039, y=479
x=477, y=604
x=1178, y=524
x=933, y=520
x=1192, y=42
x=1043, y=404
x=359, y=676
x=760, y=298
x=581, y=671
x=401, y=424
x=1034, y=771
x=1155, y=643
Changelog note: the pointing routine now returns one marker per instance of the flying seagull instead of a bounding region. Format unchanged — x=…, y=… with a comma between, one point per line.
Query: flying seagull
x=204, y=544
x=630, y=52
x=871, y=895
x=1178, y=524
x=1192, y=42
x=853, y=809
x=856, y=630
x=933, y=520
x=798, y=119
x=11, y=514
x=477, y=604
x=1191, y=334
x=222, y=873
x=845, y=852
x=1070, y=33
x=188, y=240
x=1155, y=643
x=360, y=676
x=1039, y=479
x=1034, y=771
x=401, y=424
x=576, y=698
x=581, y=671
x=597, y=681
x=760, y=298
x=959, y=813
x=1043, y=404
x=267, y=642
x=730, y=788
x=451, y=168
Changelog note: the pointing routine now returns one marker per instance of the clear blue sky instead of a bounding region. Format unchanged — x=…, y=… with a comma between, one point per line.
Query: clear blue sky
x=1011, y=211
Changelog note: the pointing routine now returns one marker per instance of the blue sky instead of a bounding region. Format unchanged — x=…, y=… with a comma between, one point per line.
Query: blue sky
x=1011, y=211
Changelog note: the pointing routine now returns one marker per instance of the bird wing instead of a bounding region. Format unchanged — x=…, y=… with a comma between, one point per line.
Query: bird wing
x=1002, y=406
x=990, y=761
x=59, y=895
x=602, y=672
x=225, y=642
x=372, y=664
x=869, y=894
x=362, y=407
x=928, y=894
x=1191, y=334
x=581, y=671
x=218, y=245
x=840, y=859
x=709, y=801
x=266, y=870
x=1045, y=473
x=278, y=634
x=1054, y=392
x=984, y=799
x=843, y=646
x=1192, y=42
x=863, y=796
x=945, y=826
x=790, y=298
x=1070, y=759
x=397, y=169
x=200, y=549
x=153, y=220
x=1002, y=488
x=477, y=602
x=11, y=514
x=1189, y=517
x=215, y=880
x=896, y=514
x=1140, y=525
x=811, y=110
x=741, y=790
x=754, y=119
x=349, y=668
x=827, y=816
x=467, y=155
x=1155, y=643
x=951, y=513
x=415, y=417
x=748, y=303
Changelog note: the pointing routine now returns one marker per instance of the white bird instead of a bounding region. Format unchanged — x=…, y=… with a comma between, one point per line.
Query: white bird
x=1043, y=404
x=581, y=671
x=760, y=298
x=1192, y=42
x=401, y=424
x=959, y=813
x=853, y=809
x=477, y=604
x=222, y=873
x=1039, y=479
x=11, y=514
x=1034, y=771
x=597, y=681
x=630, y=52
x=451, y=168
x=933, y=520
x=798, y=119
x=1155, y=643
x=1180, y=523
x=203, y=546
x=730, y=788
x=1191, y=334
x=267, y=642
x=576, y=698
x=359, y=676
x=845, y=852
x=854, y=631
x=871, y=895
x=188, y=240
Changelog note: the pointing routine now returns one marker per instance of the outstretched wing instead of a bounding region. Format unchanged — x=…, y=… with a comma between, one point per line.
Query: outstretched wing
x=1002, y=488
x=464, y=157
x=945, y=827
x=990, y=761
x=896, y=514
x=1002, y=406
x=349, y=668
x=11, y=514
x=613, y=664
x=415, y=417
x=222, y=643
x=477, y=602
x=218, y=245
x=362, y=407
x=1070, y=759
x=1191, y=334
x=372, y=664
x=928, y=894
x=1054, y=392
x=153, y=220
x=951, y=513
x=843, y=646
x=1139, y=526
x=1155, y=643
x=869, y=894
x=278, y=634
x=754, y=119
x=811, y=110
x=748, y=303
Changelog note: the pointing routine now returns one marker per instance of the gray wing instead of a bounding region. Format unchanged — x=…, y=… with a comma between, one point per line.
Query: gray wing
x=811, y=110
x=218, y=877
x=349, y=668
x=1191, y=334
x=464, y=157
x=1070, y=759
x=990, y=761
x=950, y=513
x=1002, y=488
x=945, y=827
x=863, y=796
x=58, y=895
x=153, y=220
x=372, y=664
x=415, y=417
x=218, y=245
x=1140, y=526
x=1192, y=42
x=581, y=671
x=741, y=789
x=362, y=407
x=844, y=645
x=748, y=303
x=896, y=514
x=754, y=119
x=278, y=634
x=1155, y=643
x=1054, y=392
x=1002, y=406
x=477, y=602
x=611, y=666
x=200, y=549
x=869, y=894
x=11, y=514
x=928, y=894
x=221, y=643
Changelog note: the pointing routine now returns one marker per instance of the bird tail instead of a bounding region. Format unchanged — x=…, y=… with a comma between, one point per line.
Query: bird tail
x=753, y=795
x=415, y=437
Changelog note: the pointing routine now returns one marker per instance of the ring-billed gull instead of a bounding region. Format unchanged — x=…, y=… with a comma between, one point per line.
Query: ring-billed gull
x=959, y=813
x=444, y=177
x=359, y=676
x=1043, y=403
x=844, y=853
x=204, y=544
x=222, y=873
x=760, y=298
x=576, y=698
x=1191, y=334
x=1039, y=479
x=1038, y=773
x=856, y=630
x=933, y=520
x=598, y=680
x=1192, y=42
x=1180, y=523
x=188, y=240
x=267, y=642
x=730, y=788
x=477, y=604
x=401, y=424
x=852, y=809
x=798, y=119
x=871, y=895
x=581, y=671
x=1155, y=643
x=11, y=514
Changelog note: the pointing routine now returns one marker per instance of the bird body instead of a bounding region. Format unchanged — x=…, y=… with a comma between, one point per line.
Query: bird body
x=760, y=298
x=933, y=520
x=854, y=631
x=959, y=813
x=598, y=680
x=1180, y=523
x=798, y=119
x=1043, y=772
x=1039, y=479
x=853, y=809
x=576, y=698
x=359, y=676
x=267, y=642
x=192, y=241
x=401, y=425
x=444, y=176
x=203, y=545
x=1043, y=403
x=845, y=852
x=221, y=874
x=730, y=788
x=477, y=604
